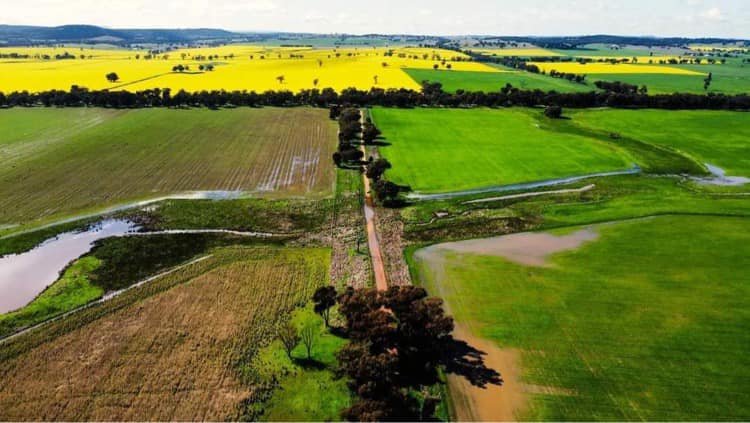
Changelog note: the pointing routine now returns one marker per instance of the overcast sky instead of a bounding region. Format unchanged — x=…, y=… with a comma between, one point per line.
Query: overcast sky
x=721, y=18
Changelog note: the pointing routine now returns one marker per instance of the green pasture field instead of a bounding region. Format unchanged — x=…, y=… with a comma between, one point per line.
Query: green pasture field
x=717, y=137
x=730, y=78
x=648, y=322
x=494, y=81
x=60, y=162
x=440, y=150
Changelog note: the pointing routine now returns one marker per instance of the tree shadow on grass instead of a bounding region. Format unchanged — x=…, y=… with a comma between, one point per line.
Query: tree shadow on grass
x=309, y=364
x=464, y=360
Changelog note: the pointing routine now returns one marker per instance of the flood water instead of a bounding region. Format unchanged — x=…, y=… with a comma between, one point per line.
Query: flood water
x=529, y=249
x=719, y=177
x=24, y=276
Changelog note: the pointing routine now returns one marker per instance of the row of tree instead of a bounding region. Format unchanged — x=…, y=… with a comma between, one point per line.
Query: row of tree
x=572, y=77
x=348, y=153
x=432, y=94
x=399, y=341
x=621, y=87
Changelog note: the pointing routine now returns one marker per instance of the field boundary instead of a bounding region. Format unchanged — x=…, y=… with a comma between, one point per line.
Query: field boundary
x=635, y=170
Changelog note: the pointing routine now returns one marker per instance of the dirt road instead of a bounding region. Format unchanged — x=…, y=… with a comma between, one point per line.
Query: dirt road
x=381, y=282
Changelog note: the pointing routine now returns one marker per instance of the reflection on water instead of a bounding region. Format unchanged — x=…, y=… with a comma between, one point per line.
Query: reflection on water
x=24, y=276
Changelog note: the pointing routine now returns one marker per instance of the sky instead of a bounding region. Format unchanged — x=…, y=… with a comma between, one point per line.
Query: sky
x=692, y=18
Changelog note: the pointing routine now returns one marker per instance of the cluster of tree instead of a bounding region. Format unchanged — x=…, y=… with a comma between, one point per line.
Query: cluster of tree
x=14, y=56
x=621, y=87
x=572, y=77
x=553, y=112
x=385, y=191
x=350, y=130
x=399, y=341
x=63, y=56
x=202, y=58
x=432, y=94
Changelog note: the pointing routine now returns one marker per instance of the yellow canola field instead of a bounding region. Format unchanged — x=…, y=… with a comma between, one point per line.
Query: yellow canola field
x=604, y=68
x=236, y=67
x=520, y=52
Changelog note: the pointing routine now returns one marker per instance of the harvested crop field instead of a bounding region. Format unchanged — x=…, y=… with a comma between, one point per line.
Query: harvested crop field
x=91, y=158
x=170, y=350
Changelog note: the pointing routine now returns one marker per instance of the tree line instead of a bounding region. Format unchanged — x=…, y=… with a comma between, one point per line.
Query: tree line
x=352, y=134
x=431, y=94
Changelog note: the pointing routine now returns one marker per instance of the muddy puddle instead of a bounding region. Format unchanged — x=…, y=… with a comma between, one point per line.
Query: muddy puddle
x=719, y=178
x=24, y=276
x=529, y=249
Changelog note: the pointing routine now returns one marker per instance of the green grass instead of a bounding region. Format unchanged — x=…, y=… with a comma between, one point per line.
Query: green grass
x=647, y=323
x=439, y=150
x=307, y=390
x=613, y=198
x=716, y=137
x=74, y=289
x=104, y=158
x=494, y=81
x=731, y=78
x=251, y=214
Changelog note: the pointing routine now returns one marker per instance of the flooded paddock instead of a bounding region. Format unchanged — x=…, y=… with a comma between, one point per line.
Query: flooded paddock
x=529, y=249
x=26, y=275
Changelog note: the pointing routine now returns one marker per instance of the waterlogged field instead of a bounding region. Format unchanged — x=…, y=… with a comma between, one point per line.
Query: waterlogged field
x=63, y=161
x=180, y=348
x=715, y=137
x=494, y=81
x=638, y=320
x=439, y=150
x=235, y=67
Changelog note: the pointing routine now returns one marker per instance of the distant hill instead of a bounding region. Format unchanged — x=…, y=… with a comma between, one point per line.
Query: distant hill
x=16, y=35
x=576, y=41
x=25, y=35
